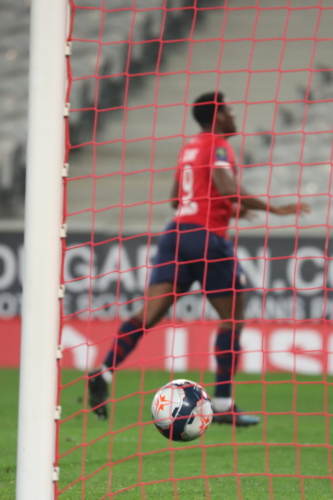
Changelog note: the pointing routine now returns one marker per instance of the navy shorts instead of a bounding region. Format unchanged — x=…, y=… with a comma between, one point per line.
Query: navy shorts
x=181, y=257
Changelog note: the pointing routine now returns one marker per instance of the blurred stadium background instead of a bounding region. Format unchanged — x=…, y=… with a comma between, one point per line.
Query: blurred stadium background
x=275, y=64
x=243, y=77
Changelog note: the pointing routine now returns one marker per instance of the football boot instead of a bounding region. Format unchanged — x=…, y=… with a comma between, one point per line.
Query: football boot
x=98, y=394
x=235, y=416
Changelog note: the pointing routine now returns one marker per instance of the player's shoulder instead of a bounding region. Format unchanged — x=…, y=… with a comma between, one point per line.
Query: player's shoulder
x=223, y=152
x=197, y=141
x=222, y=144
x=213, y=141
x=188, y=152
x=192, y=150
x=205, y=147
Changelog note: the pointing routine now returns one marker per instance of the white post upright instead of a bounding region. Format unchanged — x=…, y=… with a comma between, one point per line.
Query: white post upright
x=40, y=324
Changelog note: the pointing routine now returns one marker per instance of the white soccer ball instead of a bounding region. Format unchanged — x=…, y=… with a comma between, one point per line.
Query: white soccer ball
x=182, y=410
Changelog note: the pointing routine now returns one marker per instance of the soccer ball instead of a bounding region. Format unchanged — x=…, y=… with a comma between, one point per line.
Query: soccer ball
x=182, y=410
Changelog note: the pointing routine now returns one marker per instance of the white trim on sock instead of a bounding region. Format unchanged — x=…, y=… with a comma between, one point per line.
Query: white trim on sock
x=222, y=404
x=107, y=375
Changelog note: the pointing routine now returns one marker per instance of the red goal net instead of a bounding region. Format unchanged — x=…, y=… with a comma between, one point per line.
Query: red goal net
x=135, y=69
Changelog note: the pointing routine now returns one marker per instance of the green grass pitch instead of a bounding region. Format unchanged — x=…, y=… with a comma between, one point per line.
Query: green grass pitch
x=241, y=464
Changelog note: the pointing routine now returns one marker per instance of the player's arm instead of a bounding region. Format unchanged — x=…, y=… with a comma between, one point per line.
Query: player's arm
x=227, y=186
x=241, y=212
x=174, y=195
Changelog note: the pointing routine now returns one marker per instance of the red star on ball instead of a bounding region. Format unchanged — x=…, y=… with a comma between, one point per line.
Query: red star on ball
x=205, y=421
x=161, y=403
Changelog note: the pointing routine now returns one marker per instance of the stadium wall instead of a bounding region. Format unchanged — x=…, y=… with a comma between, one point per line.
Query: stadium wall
x=289, y=304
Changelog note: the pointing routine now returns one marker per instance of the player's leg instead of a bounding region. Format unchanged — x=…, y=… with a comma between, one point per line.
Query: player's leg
x=227, y=348
x=227, y=345
x=223, y=280
x=165, y=279
x=159, y=298
x=160, y=295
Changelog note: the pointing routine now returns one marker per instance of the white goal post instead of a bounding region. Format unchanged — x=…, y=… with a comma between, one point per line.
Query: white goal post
x=43, y=215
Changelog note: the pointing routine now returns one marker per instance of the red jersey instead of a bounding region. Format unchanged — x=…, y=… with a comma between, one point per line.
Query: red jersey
x=199, y=200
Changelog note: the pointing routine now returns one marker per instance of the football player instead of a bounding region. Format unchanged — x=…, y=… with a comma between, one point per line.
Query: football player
x=195, y=247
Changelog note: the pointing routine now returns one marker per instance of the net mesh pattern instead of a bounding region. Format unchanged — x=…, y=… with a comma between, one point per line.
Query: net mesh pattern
x=134, y=69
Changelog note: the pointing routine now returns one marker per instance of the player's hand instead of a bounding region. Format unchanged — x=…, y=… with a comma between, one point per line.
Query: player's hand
x=294, y=208
x=247, y=214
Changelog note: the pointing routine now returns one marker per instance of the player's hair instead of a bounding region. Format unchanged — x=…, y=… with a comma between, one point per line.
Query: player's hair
x=206, y=106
